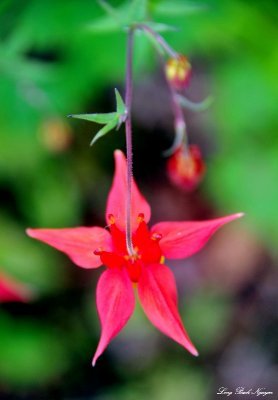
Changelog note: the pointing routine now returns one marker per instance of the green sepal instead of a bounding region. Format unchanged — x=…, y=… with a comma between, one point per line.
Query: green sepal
x=197, y=107
x=103, y=131
x=98, y=118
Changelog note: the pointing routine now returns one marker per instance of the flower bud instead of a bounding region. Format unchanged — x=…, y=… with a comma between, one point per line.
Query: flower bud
x=186, y=169
x=178, y=72
x=56, y=135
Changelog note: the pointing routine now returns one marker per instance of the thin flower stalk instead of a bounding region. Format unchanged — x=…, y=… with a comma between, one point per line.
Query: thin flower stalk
x=128, y=133
x=159, y=39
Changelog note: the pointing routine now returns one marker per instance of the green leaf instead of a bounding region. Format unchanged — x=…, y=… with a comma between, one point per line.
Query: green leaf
x=120, y=105
x=177, y=8
x=111, y=120
x=199, y=106
x=160, y=27
x=104, y=25
x=25, y=357
x=138, y=10
x=118, y=18
x=104, y=118
x=103, y=131
x=108, y=9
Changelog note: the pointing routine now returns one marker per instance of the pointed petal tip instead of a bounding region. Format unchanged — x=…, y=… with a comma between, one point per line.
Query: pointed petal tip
x=96, y=356
x=232, y=217
x=118, y=153
x=235, y=216
x=189, y=346
x=29, y=232
x=194, y=352
x=239, y=215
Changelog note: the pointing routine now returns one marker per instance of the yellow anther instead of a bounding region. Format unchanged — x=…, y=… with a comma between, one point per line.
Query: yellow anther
x=98, y=251
x=111, y=219
x=140, y=217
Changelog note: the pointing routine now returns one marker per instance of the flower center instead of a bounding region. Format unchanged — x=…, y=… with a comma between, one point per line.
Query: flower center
x=146, y=249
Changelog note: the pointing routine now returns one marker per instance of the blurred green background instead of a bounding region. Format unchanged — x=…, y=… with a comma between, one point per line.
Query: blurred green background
x=63, y=57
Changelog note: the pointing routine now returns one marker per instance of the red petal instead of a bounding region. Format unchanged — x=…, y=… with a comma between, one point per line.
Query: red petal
x=115, y=304
x=78, y=243
x=158, y=296
x=13, y=291
x=182, y=239
x=116, y=204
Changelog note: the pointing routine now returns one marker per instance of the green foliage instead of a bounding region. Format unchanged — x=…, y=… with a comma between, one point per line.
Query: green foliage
x=174, y=8
x=31, y=353
x=168, y=381
x=214, y=311
x=111, y=120
x=128, y=13
x=27, y=260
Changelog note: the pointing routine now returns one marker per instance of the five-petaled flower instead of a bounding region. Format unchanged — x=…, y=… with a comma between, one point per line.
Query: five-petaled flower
x=186, y=168
x=11, y=290
x=145, y=269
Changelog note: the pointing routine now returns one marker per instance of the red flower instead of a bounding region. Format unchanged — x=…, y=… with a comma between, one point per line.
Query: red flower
x=186, y=169
x=178, y=72
x=12, y=291
x=92, y=247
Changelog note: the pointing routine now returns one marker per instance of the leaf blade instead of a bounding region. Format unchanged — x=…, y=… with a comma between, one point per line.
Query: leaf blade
x=120, y=105
x=103, y=131
x=104, y=118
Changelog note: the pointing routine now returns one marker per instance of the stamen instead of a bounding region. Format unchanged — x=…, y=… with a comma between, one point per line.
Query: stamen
x=134, y=257
x=98, y=251
x=111, y=219
x=140, y=217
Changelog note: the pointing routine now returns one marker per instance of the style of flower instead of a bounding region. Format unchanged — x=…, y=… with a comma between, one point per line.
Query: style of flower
x=11, y=290
x=178, y=72
x=186, y=168
x=144, y=270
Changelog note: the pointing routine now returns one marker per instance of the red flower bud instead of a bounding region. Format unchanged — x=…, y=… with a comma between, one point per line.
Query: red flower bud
x=186, y=169
x=178, y=72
